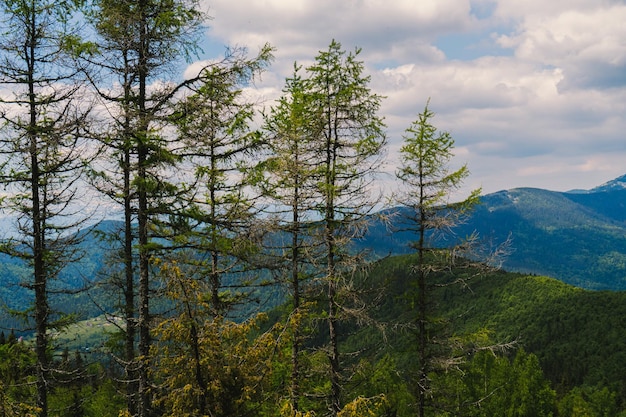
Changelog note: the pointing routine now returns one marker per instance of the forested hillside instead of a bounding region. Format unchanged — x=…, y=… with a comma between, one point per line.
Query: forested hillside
x=576, y=335
x=563, y=351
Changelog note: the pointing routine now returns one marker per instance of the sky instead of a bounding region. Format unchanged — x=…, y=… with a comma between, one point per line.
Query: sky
x=533, y=92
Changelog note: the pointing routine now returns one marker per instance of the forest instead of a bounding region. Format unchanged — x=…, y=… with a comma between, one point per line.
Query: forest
x=224, y=205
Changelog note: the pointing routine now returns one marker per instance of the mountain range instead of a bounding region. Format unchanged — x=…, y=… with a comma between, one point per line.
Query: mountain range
x=578, y=236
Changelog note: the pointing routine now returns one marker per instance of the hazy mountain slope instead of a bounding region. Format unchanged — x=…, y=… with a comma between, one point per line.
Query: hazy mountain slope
x=564, y=236
x=577, y=237
x=75, y=276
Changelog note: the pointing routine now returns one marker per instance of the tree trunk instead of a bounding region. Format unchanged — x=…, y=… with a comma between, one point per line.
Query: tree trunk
x=295, y=282
x=39, y=245
x=422, y=342
x=129, y=293
x=142, y=218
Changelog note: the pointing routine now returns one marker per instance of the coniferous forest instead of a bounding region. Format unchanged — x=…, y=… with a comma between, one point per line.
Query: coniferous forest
x=232, y=284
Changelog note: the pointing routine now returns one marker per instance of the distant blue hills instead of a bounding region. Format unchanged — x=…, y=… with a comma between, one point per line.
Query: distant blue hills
x=578, y=237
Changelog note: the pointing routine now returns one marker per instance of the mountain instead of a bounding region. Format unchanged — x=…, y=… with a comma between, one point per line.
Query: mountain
x=618, y=183
x=578, y=237
x=72, y=279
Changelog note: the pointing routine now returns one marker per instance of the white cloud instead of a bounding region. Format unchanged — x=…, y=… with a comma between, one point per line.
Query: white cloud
x=300, y=28
x=518, y=10
x=588, y=44
x=553, y=109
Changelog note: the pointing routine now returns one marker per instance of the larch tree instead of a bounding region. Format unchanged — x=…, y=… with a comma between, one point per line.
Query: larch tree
x=218, y=145
x=138, y=42
x=289, y=180
x=429, y=187
x=208, y=365
x=212, y=236
x=350, y=148
x=43, y=146
x=113, y=178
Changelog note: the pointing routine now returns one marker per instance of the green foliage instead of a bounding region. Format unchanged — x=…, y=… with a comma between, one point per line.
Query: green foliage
x=17, y=364
x=227, y=364
x=83, y=391
x=103, y=400
x=173, y=27
x=427, y=186
x=491, y=385
x=328, y=141
x=586, y=401
x=382, y=380
x=428, y=183
x=349, y=133
x=233, y=365
x=531, y=394
x=509, y=304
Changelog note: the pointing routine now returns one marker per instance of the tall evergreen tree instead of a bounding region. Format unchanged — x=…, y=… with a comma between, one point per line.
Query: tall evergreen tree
x=350, y=147
x=289, y=181
x=139, y=41
x=210, y=228
x=114, y=179
x=43, y=149
x=428, y=185
x=216, y=142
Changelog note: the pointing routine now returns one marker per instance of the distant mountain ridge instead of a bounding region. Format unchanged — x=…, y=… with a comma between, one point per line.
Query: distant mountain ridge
x=618, y=183
x=578, y=237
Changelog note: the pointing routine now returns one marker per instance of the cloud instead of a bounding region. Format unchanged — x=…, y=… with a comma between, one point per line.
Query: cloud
x=303, y=27
x=527, y=89
x=588, y=44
